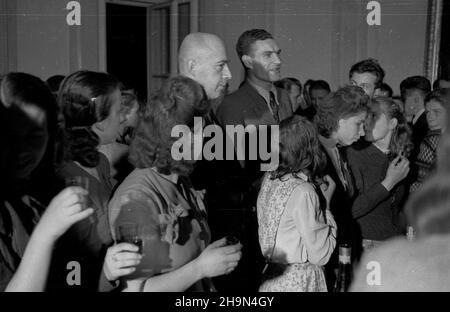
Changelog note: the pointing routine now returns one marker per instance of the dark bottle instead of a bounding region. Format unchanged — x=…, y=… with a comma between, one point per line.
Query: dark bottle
x=345, y=269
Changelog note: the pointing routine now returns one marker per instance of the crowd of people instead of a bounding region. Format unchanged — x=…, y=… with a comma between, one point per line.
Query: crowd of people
x=93, y=199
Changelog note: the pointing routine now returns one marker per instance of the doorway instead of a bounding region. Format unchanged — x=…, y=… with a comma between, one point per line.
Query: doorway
x=126, y=46
x=444, y=54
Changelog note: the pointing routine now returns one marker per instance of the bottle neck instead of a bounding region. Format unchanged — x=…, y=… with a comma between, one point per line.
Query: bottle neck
x=344, y=259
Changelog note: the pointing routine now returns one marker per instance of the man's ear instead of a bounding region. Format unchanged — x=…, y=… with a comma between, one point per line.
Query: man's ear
x=393, y=123
x=247, y=60
x=99, y=126
x=192, y=67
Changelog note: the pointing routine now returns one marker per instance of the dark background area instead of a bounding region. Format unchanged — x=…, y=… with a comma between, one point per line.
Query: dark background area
x=126, y=33
x=444, y=53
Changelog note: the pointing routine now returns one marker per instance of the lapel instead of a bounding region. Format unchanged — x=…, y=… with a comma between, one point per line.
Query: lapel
x=168, y=191
x=330, y=169
x=421, y=124
x=257, y=110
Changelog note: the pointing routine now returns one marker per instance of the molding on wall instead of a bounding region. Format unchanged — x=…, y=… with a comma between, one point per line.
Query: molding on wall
x=433, y=40
x=8, y=36
x=3, y=38
x=102, y=56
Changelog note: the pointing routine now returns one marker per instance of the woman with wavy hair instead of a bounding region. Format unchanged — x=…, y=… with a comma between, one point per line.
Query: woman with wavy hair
x=378, y=168
x=297, y=232
x=158, y=198
x=90, y=103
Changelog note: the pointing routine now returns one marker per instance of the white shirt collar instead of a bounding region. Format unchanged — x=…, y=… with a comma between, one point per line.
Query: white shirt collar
x=416, y=116
x=264, y=93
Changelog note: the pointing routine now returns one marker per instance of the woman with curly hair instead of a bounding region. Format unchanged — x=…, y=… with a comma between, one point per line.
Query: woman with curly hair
x=159, y=199
x=378, y=168
x=297, y=232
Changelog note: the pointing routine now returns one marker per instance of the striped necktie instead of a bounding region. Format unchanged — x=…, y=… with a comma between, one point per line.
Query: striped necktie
x=274, y=107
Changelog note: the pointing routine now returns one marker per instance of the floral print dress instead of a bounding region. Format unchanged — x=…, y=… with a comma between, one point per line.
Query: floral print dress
x=296, y=237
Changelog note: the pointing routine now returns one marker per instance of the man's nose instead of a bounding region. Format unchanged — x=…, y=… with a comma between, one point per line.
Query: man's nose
x=276, y=59
x=226, y=73
x=361, y=131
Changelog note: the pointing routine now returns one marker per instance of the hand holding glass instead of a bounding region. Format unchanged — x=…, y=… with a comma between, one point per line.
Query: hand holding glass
x=130, y=233
x=82, y=182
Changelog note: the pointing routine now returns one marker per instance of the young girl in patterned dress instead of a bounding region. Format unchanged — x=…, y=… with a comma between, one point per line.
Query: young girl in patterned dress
x=297, y=232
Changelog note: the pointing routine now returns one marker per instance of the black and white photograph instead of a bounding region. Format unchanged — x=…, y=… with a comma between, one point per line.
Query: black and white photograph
x=224, y=151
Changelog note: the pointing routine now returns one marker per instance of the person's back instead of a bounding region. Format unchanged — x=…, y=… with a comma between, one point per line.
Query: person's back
x=414, y=266
x=421, y=264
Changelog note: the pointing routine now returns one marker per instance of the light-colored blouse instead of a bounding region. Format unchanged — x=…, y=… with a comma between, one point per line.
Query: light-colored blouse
x=305, y=232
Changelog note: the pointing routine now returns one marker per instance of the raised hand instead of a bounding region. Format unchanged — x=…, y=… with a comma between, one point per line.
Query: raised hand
x=120, y=260
x=328, y=188
x=64, y=210
x=218, y=258
x=397, y=171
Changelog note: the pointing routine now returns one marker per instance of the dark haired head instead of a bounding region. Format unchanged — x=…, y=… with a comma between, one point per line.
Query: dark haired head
x=384, y=90
x=29, y=123
x=441, y=83
x=299, y=149
x=344, y=103
x=369, y=65
x=294, y=95
x=287, y=83
x=440, y=95
x=415, y=83
x=179, y=100
x=319, y=85
x=249, y=37
x=85, y=98
x=54, y=82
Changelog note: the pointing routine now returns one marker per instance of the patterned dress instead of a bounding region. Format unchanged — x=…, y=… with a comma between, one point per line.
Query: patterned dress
x=426, y=159
x=296, y=237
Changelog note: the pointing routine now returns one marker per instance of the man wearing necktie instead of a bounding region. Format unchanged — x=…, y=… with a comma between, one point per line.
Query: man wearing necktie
x=257, y=102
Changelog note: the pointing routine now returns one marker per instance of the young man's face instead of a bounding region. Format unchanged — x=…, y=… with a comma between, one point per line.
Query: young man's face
x=317, y=96
x=265, y=60
x=413, y=102
x=436, y=115
x=366, y=81
x=350, y=129
x=295, y=95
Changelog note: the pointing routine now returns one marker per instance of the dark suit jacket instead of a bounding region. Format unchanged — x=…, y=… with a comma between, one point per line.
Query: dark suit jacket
x=247, y=107
x=420, y=129
x=340, y=204
x=244, y=107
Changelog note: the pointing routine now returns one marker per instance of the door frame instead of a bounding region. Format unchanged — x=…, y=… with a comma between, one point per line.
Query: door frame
x=150, y=5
